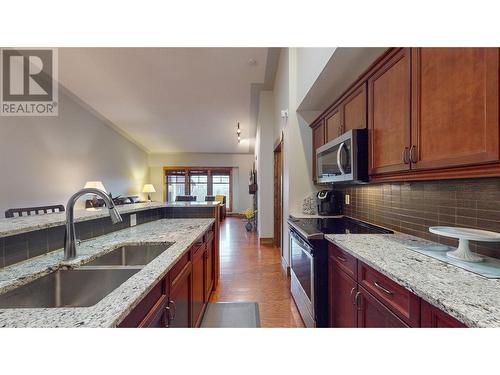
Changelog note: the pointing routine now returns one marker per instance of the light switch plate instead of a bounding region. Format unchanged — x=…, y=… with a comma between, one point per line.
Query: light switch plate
x=347, y=199
x=133, y=220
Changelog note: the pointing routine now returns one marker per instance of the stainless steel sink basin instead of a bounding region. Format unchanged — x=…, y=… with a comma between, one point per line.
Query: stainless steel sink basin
x=130, y=255
x=68, y=288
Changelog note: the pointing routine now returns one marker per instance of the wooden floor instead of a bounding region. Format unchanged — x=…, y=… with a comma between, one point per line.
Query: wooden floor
x=253, y=272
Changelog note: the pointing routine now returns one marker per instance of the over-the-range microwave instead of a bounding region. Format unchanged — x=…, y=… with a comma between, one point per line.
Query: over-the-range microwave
x=345, y=159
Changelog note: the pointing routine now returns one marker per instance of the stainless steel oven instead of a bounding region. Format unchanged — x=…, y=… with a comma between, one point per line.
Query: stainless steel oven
x=345, y=159
x=302, y=277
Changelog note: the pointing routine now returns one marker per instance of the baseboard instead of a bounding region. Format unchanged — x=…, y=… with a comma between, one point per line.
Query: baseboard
x=234, y=214
x=285, y=266
x=267, y=241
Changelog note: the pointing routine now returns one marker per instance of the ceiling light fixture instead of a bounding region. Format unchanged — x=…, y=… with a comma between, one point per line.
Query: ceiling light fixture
x=238, y=132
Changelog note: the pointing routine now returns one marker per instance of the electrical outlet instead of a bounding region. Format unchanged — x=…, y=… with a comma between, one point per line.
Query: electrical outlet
x=133, y=220
x=347, y=199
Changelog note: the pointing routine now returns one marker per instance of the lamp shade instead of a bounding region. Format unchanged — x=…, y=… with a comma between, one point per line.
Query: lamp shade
x=95, y=185
x=148, y=188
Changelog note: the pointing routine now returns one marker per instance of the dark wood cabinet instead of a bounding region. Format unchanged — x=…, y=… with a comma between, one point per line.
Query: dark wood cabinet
x=333, y=125
x=209, y=269
x=198, y=256
x=354, y=110
x=158, y=316
x=367, y=299
x=180, y=297
x=432, y=317
x=455, y=107
x=373, y=314
x=342, y=290
x=318, y=137
x=389, y=93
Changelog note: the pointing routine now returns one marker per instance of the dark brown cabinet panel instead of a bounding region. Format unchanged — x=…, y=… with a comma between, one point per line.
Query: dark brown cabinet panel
x=432, y=317
x=333, y=127
x=373, y=314
x=179, y=304
x=209, y=270
x=389, y=93
x=354, y=110
x=455, y=107
x=158, y=316
x=198, y=283
x=342, y=308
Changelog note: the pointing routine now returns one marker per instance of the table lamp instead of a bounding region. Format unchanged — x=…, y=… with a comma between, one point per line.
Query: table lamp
x=149, y=188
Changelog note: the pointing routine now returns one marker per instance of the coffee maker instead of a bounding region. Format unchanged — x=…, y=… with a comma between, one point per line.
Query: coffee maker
x=329, y=202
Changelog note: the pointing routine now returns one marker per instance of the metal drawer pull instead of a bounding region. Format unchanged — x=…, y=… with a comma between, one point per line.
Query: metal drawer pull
x=352, y=291
x=406, y=156
x=357, y=301
x=382, y=288
x=171, y=316
x=342, y=259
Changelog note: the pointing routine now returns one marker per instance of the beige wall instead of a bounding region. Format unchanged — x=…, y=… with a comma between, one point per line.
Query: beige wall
x=241, y=164
x=43, y=160
x=265, y=166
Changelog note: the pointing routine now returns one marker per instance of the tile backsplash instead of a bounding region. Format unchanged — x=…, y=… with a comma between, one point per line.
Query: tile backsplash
x=412, y=207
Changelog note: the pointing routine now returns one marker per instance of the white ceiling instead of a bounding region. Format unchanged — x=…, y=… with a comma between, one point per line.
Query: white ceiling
x=170, y=99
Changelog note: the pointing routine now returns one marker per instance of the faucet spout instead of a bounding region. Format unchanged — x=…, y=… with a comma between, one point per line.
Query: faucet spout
x=70, y=236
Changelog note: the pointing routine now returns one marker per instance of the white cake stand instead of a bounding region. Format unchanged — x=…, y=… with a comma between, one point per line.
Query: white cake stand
x=465, y=235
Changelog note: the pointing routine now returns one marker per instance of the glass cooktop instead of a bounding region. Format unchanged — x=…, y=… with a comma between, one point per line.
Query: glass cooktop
x=340, y=225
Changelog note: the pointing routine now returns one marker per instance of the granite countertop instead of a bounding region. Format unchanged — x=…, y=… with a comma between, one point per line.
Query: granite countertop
x=178, y=236
x=17, y=225
x=470, y=298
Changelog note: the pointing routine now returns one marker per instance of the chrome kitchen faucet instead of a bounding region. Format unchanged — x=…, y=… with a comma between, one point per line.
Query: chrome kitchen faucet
x=70, y=236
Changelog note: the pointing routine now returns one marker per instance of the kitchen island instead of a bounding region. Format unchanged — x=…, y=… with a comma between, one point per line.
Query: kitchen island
x=178, y=235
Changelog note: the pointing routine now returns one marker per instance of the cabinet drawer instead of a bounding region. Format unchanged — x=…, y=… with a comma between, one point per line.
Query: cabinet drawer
x=344, y=260
x=398, y=299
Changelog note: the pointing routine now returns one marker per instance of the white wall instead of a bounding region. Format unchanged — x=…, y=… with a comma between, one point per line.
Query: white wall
x=43, y=160
x=241, y=164
x=265, y=165
x=310, y=63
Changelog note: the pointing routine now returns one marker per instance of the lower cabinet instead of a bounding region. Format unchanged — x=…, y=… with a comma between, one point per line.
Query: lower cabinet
x=362, y=297
x=180, y=298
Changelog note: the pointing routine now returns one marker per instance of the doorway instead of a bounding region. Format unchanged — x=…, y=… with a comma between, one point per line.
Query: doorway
x=278, y=194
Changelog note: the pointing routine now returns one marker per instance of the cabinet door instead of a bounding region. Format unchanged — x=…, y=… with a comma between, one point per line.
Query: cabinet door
x=342, y=289
x=158, y=316
x=333, y=127
x=179, y=305
x=318, y=137
x=389, y=114
x=354, y=110
x=455, y=107
x=432, y=317
x=209, y=270
x=198, y=284
x=373, y=314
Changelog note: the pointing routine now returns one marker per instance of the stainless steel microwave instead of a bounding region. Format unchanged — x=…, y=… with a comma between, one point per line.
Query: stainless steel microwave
x=345, y=159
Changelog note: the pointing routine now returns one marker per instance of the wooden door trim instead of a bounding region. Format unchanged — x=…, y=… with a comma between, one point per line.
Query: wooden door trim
x=278, y=224
x=491, y=114
x=385, y=65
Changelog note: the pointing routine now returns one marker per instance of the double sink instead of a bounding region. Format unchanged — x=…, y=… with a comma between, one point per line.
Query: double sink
x=86, y=285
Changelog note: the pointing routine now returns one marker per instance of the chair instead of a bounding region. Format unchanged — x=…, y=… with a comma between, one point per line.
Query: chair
x=28, y=211
x=222, y=199
x=210, y=198
x=185, y=198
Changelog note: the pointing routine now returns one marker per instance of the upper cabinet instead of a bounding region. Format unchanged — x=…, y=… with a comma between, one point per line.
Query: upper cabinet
x=389, y=93
x=455, y=107
x=432, y=113
x=318, y=140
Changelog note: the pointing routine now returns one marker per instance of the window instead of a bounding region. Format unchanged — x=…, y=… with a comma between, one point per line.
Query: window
x=176, y=184
x=221, y=186
x=198, y=185
x=199, y=182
